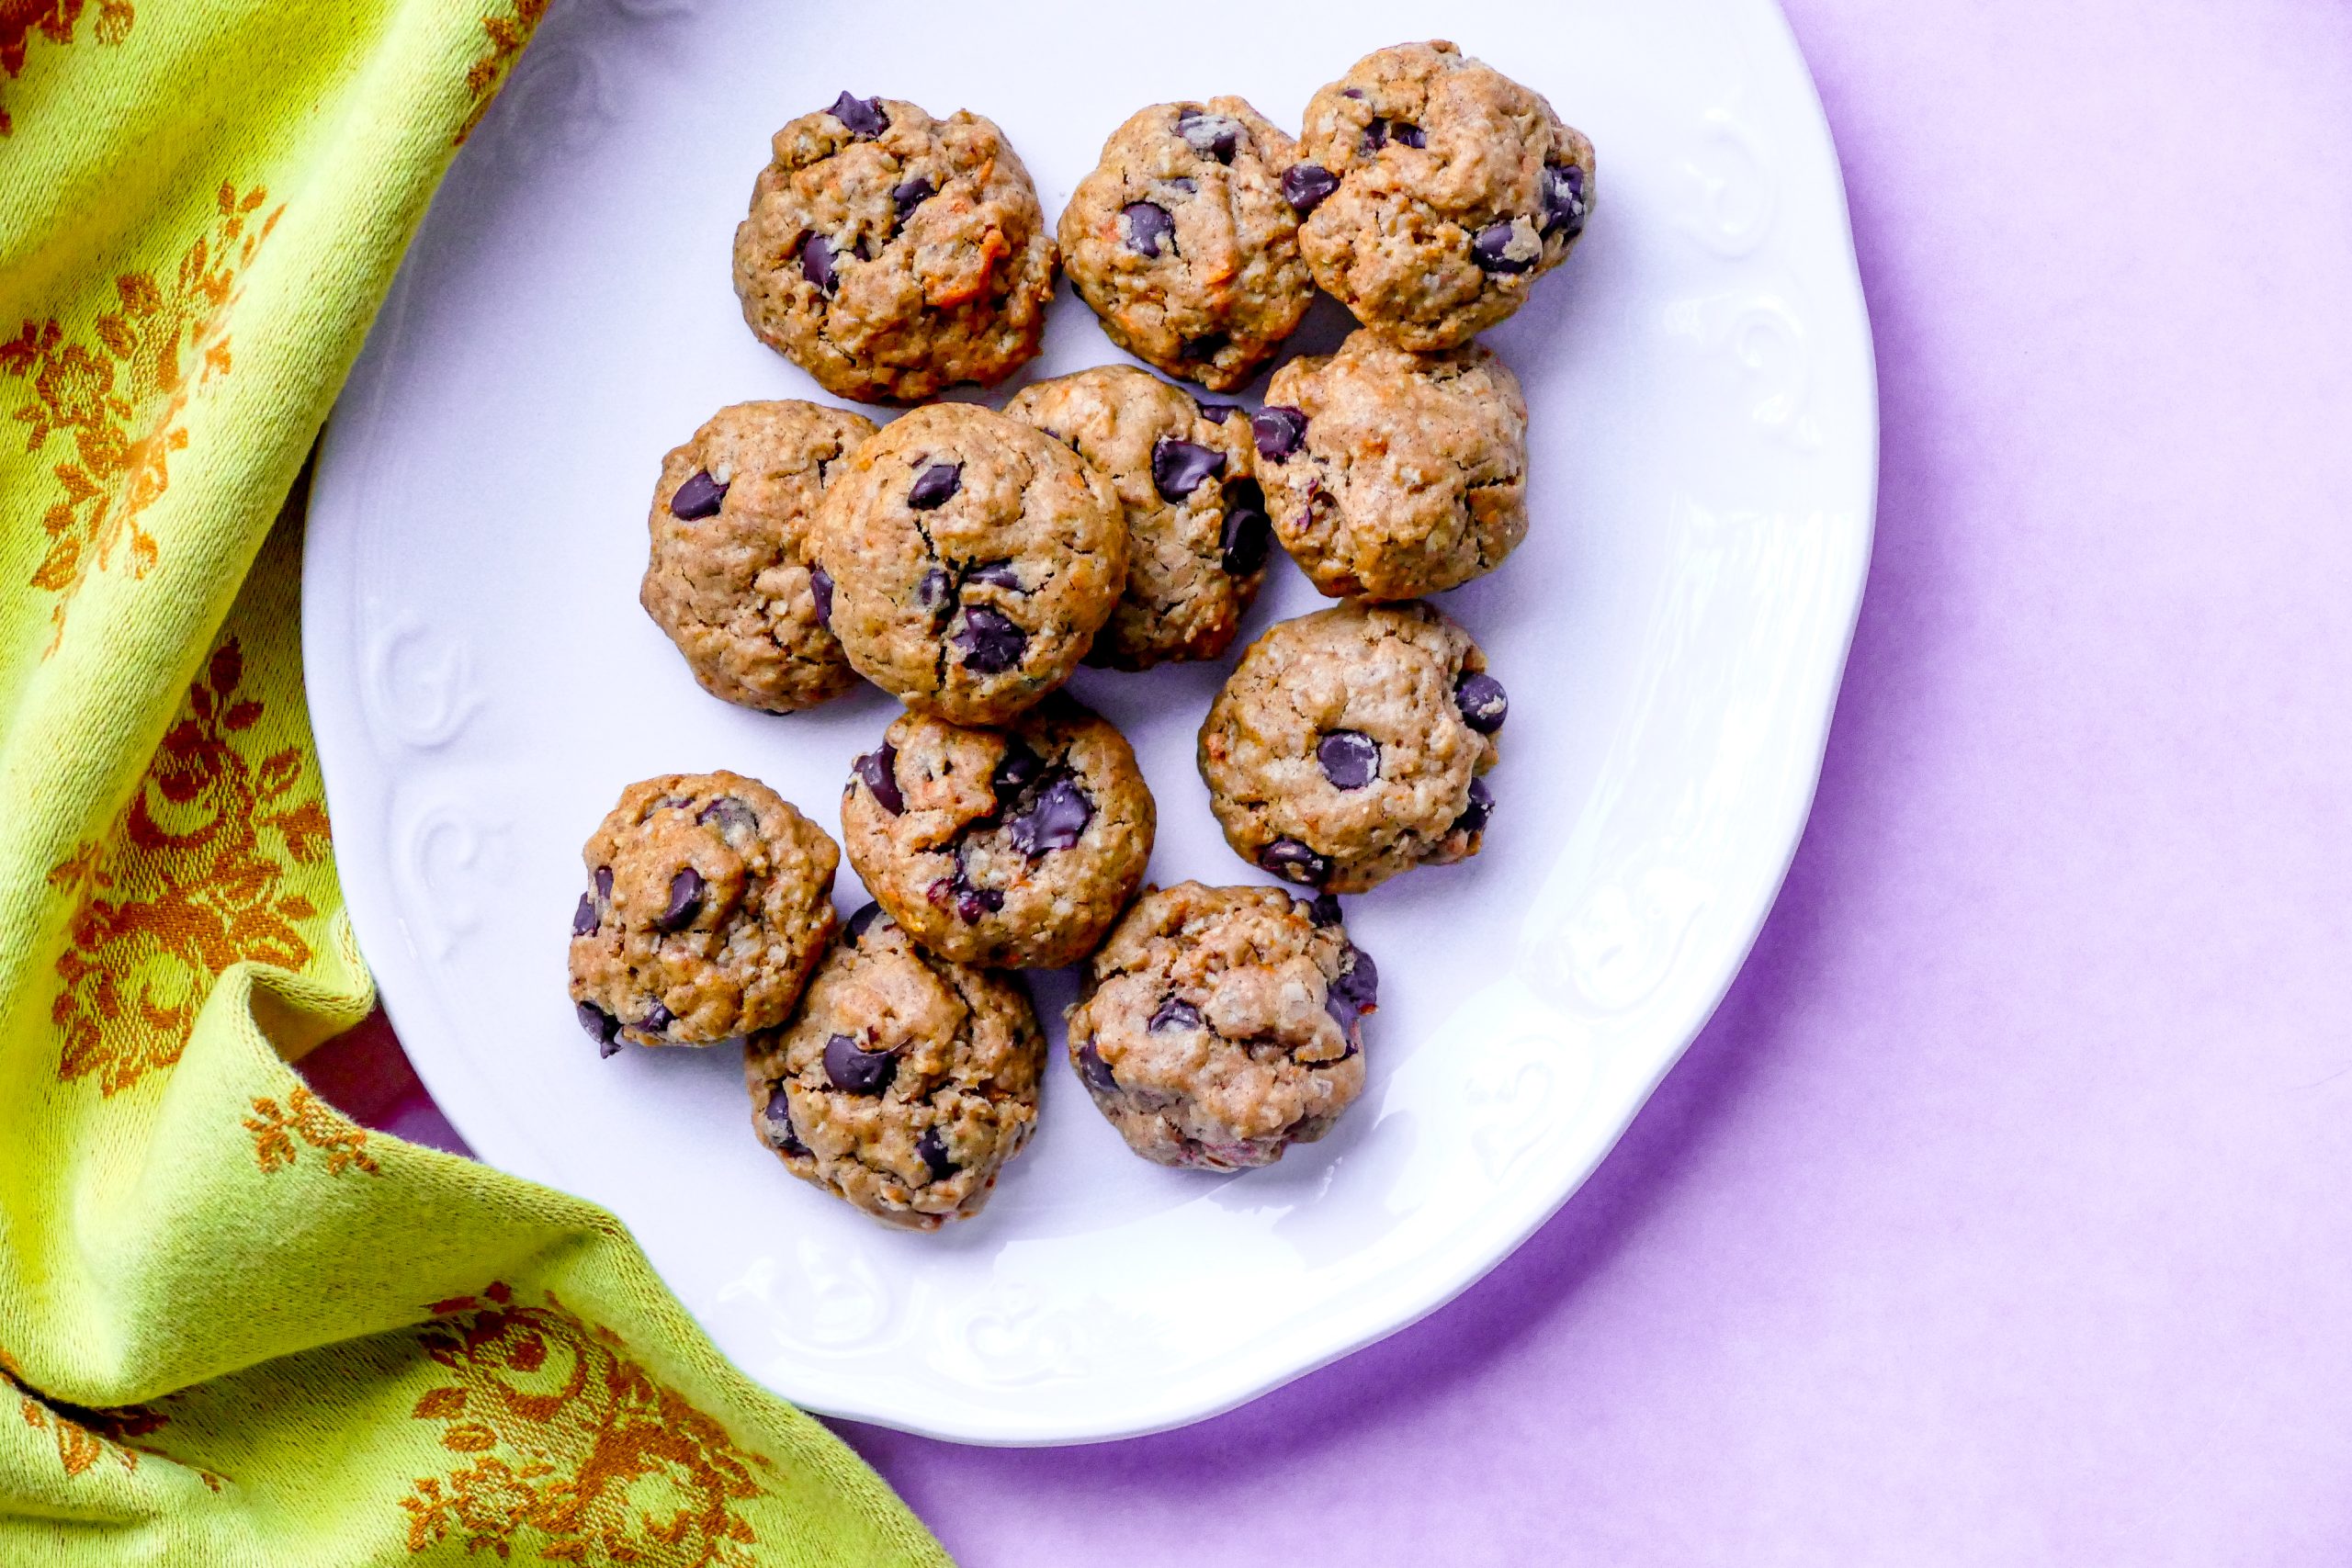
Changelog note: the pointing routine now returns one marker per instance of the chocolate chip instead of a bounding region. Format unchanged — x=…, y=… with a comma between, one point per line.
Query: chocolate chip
x=729, y=815
x=1096, y=1071
x=1056, y=821
x=879, y=769
x=698, y=498
x=604, y=883
x=1020, y=768
x=1359, y=983
x=1350, y=758
x=932, y=590
x=1496, y=249
x=1563, y=208
x=857, y=1070
x=975, y=904
x=864, y=118
x=1407, y=134
x=1355, y=93
x=1179, y=467
x=1190, y=187
x=1147, y=228
x=933, y=1150
x=997, y=574
x=1210, y=135
x=1376, y=136
x=1249, y=533
x=656, y=1019
x=1304, y=186
x=1176, y=1013
x=1278, y=431
x=859, y=922
x=820, y=588
x=583, y=918
x=1480, y=697
x=934, y=485
x=1216, y=412
x=779, y=1118
x=602, y=1026
x=1293, y=861
x=1323, y=910
x=1481, y=807
x=1205, y=347
x=817, y=254
x=988, y=642
x=906, y=197
x=685, y=901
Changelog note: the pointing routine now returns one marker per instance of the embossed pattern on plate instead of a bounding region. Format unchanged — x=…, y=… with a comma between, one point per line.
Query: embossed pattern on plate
x=1703, y=460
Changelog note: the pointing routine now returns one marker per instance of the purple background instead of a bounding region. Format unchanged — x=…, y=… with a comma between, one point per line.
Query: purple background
x=2000, y=1216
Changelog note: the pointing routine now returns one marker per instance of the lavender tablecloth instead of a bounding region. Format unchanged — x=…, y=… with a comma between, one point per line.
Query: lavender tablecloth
x=2000, y=1216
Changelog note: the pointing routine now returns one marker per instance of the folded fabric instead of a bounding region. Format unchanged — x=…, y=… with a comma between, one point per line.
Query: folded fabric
x=238, y=1329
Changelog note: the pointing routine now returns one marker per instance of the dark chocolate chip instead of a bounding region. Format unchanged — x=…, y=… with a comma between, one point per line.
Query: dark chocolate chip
x=997, y=574
x=1179, y=467
x=1216, y=412
x=1278, y=431
x=1407, y=134
x=685, y=901
x=1147, y=228
x=1323, y=910
x=602, y=1026
x=1056, y=821
x=863, y=116
x=820, y=588
x=656, y=1019
x=1350, y=758
x=934, y=485
x=780, y=1128
x=1491, y=249
x=933, y=1150
x=859, y=922
x=1359, y=983
x=906, y=197
x=932, y=590
x=879, y=769
x=1563, y=208
x=1249, y=535
x=1020, y=768
x=604, y=883
x=817, y=254
x=1484, y=706
x=1205, y=347
x=975, y=904
x=1304, y=186
x=988, y=642
x=1190, y=187
x=1356, y=93
x=583, y=918
x=857, y=1070
x=1096, y=1071
x=1293, y=861
x=698, y=498
x=1176, y=1013
x=1376, y=136
x=1210, y=135
x=729, y=815
x=1474, y=815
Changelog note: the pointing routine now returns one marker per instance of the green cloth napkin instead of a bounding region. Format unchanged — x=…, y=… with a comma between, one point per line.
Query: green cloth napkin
x=235, y=1328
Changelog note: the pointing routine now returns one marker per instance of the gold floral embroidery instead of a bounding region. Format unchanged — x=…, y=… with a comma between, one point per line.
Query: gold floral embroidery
x=84, y=1436
x=573, y=1452
x=121, y=399
x=310, y=1119
x=508, y=34
x=193, y=889
x=55, y=21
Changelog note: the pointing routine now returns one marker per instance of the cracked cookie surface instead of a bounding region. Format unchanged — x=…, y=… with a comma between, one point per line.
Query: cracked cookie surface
x=890, y=255
x=1347, y=746
x=1182, y=243
x=1438, y=191
x=904, y=1082
x=1390, y=474
x=709, y=901
x=1014, y=847
x=1221, y=1025
x=724, y=577
x=970, y=560
x=1198, y=536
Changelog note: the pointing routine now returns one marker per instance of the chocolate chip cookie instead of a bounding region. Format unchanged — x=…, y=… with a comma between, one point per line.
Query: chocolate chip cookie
x=890, y=255
x=1436, y=191
x=904, y=1082
x=1391, y=474
x=1221, y=1025
x=967, y=560
x=725, y=578
x=709, y=901
x=1014, y=847
x=1197, y=531
x=1347, y=744
x=1182, y=242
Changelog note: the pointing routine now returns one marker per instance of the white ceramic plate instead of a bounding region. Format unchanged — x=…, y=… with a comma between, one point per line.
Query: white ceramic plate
x=1703, y=457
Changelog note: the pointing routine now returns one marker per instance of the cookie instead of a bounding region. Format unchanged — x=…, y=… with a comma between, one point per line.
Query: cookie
x=1015, y=847
x=725, y=578
x=709, y=901
x=1437, y=190
x=890, y=255
x=904, y=1082
x=969, y=560
x=1197, y=532
x=1221, y=1025
x=1391, y=474
x=1182, y=242
x=1347, y=746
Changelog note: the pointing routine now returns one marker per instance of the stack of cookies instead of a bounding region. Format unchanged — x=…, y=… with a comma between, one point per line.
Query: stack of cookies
x=966, y=561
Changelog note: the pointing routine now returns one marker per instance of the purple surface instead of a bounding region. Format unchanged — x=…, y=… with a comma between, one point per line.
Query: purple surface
x=1999, y=1217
